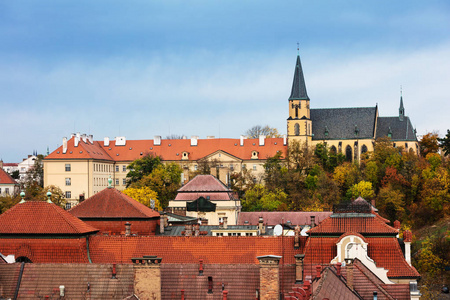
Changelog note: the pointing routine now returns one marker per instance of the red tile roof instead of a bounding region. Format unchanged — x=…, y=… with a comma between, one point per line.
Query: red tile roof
x=5, y=178
x=330, y=286
x=363, y=225
x=204, y=186
x=213, y=250
x=385, y=251
x=111, y=203
x=277, y=217
x=40, y=217
x=170, y=150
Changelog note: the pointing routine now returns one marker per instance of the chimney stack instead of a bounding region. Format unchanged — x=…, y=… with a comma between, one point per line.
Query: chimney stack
x=194, y=140
x=262, y=139
x=338, y=269
x=313, y=221
x=241, y=143
x=200, y=267
x=147, y=277
x=114, y=273
x=297, y=237
x=64, y=145
x=76, y=139
x=225, y=295
x=91, y=138
x=373, y=203
x=182, y=294
x=407, y=239
x=299, y=268
x=106, y=141
x=375, y=295
x=127, y=229
x=307, y=288
x=397, y=224
x=157, y=140
x=284, y=140
x=269, y=277
x=318, y=271
x=161, y=223
x=188, y=230
x=261, y=227
x=349, y=267
x=196, y=229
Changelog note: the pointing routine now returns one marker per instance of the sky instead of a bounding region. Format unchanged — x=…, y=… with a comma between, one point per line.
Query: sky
x=211, y=68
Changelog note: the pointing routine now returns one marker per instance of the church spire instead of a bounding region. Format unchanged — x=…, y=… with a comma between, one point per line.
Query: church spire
x=298, y=91
x=401, y=110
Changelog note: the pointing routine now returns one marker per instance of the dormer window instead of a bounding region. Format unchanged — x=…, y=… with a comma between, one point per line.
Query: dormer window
x=254, y=154
x=326, y=131
x=356, y=130
x=185, y=155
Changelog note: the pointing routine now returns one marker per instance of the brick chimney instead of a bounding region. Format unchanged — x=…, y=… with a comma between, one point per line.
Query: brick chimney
x=261, y=227
x=313, y=221
x=162, y=223
x=196, y=229
x=182, y=294
x=407, y=239
x=188, y=230
x=349, y=267
x=147, y=277
x=200, y=267
x=307, y=288
x=338, y=269
x=318, y=271
x=225, y=295
x=127, y=229
x=269, y=277
x=297, y=237
x=299, y=267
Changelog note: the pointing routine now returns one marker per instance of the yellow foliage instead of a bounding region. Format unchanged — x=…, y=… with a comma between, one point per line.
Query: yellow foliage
x=143, y=195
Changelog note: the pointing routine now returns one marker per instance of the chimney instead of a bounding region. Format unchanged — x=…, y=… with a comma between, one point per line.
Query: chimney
x=373, y=203
x=64, y=145
x=299, y=267
x=62, y=290
x=297, y=237
x=262, y=139
x=161, y=223
x=84, y=137
x=106, y=141
x=200, y=267
x=194, y=140
x=196, y=229
x=147, y=277
x=127, y=229
x=397, y=224
x=241, y=143
x=261, y=227
x=318, y=271
x=182, y=294
x=338, y=269
x=313, y=221
x=91, y=138
x=349, y=267
x=121, y=141
x=307, y=288
x=114, y=273
x=225, y=295
x=157, y=140
x=225, y=222
x=188, y=230
x=375, y=295
x=284, y=140
x=1, y=163
x=76, y=139
x=269, y=277
x=407, y=239
x=210, y=137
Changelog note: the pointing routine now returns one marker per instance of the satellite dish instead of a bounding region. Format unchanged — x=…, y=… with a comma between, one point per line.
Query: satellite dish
x=278, y=230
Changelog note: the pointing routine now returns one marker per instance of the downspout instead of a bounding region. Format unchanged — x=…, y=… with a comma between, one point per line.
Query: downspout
x=87, y=247
x=16, y=293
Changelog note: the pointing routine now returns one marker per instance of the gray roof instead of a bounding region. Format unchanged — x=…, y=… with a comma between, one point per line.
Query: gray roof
x=400, y=130
x=298, y=91
x=341, y=123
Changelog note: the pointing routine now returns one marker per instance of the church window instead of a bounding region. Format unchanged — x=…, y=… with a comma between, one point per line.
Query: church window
x=356, y=151
x=297, y=129
x=363, y=149
x=348, y=153
x=333, y=149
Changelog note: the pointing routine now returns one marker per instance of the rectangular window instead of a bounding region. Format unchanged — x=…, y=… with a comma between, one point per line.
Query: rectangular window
x=68, y=205
x=117, y=181
x=244, y=166
x=68, y=195
x=254, y=167
x=68, y=181
x=195, y=167
x=124, y=168
x=117, y=168
x=124, y=181
x=67, y=167
x=7, y=191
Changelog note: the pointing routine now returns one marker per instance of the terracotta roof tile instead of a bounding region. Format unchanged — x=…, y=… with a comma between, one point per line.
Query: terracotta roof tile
x=204, y=183
x=111, y=203
x=276, y=217
x=40, y=217
x=233, y=250
x=170, y=150
x=330, y=286
x=5, y=178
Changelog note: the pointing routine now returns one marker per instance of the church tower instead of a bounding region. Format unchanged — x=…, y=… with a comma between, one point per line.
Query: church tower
x=299, y=125
x=401, y=110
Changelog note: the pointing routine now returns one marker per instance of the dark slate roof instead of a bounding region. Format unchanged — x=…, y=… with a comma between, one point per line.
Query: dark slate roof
x=400, y=130
x=341, y=123
x=298, y=91
x=207, y=229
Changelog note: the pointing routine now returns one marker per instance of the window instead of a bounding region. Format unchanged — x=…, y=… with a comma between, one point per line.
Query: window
x=68, y=195
x=67, y=167
x=124, y=168
x=117, y=168
x=244, y=166
x=254, y=167
x=0, y=190
x=68, y=181
x=297, y=129
x=195, y=167
x=117, y=181
x=124, y=181
x=68, y=205
x=7, y=191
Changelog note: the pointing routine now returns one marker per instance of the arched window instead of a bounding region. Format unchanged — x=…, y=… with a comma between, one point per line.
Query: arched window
x=23, y=259
x=297, y=129
x=348, y=153
x=363, y=149
x=333, y=149
x=356, y=151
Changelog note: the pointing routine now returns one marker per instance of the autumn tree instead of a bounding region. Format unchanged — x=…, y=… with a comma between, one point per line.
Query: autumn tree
x=256, y=131
x=259, y=198
x=429, y=143
x=144, y=195
x=142, y=167
x=242, y=181
x=444, y=143
x=275, y=172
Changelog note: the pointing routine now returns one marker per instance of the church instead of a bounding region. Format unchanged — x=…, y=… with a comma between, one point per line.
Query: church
x=350, y=131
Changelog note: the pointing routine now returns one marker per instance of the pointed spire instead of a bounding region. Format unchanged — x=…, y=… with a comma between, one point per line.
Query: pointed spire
x=298, y=91
x=401, y=110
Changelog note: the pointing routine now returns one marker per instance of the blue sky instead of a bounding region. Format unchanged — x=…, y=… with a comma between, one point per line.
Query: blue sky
x=145, y=68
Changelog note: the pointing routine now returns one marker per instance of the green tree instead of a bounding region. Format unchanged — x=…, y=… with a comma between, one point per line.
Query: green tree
x=242, y=181
x=259, y=198
x=275, y=172
x=444, y=143
x=57, y=196
x=142, y=167
x=8, y=201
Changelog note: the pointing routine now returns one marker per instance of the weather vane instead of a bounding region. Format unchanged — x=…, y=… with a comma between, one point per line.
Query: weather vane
x=298, y=48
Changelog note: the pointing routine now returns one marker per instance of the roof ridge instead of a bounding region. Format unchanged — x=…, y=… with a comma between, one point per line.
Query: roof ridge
x=130, y=200
x=66, y=217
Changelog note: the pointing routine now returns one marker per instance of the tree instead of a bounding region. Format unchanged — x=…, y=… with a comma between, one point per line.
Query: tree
x=57, y=196
x=444, y=143
x=142, y=167
x=15, y=174
x=363, y=189
x=144, y=195
x=35, y=174
x=259, y=198
x=242, y=181
x=175, y=137
x=429, y=143
x=275, y=172
x=8, y=201
x=256, y=131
